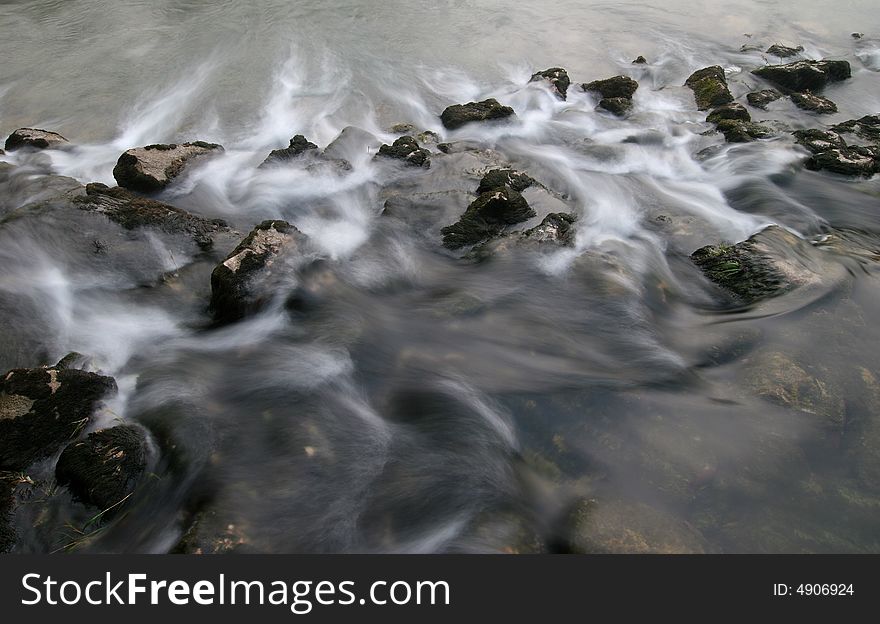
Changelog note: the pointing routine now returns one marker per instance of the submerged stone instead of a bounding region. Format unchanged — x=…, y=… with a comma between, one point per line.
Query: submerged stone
x=813, y=103
x=486, y=217
x=558, y=79
x=407, y=150
x=499, y=178
x=866, y=128
x=105, y=467
x=42, y=408
x=35, y=138
x=784, y=51
x=803, y=76
x=299, y=145
x=710, y=87
x=457, y=115
x=152, y=168
x=615, y=87
x=760, y=99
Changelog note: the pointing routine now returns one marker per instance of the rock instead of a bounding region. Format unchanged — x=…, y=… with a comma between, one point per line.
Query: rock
x=43, y=408
x=753, y=269
x=499, y=178
x=622, y=527
x=133, y=211
x=104, y=469
x=350, y=144
x=487, y=216
x=710, y=87
x=236, y=282
x=640, y=60
x=457, y=115
x=855, y=160
x=557, y=227
x=813, y=103
x=406, y=149
x=427, y=136
x=867, y=128
x=403, y=128
x=152, y=168
x=735, y=131
x=857, y=35
x=619, y=106
x=729, y=111
x=803, y=76
x=760, y=99
x=299, y=145
x=615, y=87
x=36, y=138
x=558, y=79
x=818, y=141
x=784, y=51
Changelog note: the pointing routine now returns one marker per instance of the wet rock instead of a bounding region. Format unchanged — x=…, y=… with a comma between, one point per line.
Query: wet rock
x=152, y=168
x=43, y=408
x=813, y=103
x=729, y=111
x=403, y=128
x=866, y=128
x=855, y=160
x=615, y=87
x=486, y=217
x=622, y=527
x=236, y=282
x=299, y=145
x=35, y=138
x=803, y=76
x=760, y=99
x=557, y=227
x=818, y=141
x=350, y=144
x=640, y=60
x=209, y=534
x=784, y=51
x=499, y=178
x=427, y=137
x=619, y=106
x=457, y=115
x=710, y=87
x=105, y=467
x=133, y=211
x=558, y=79
x=753, y=269
x=407, y=150
x=857, y=35
x=735, y=131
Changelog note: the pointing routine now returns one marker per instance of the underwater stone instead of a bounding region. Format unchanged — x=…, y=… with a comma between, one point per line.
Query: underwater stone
x=784, y=51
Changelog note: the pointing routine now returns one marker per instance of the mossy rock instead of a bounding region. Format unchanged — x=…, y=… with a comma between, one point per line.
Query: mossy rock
x=710, y=87
x=729, y=111
x=802, y=76
x=615, y=87
x=407, y=150
x=866, y=128
x=458, y=115
x=299, y=146
x=619, y=106
x=558, y=79
x=854, y=161
x=814, y=103
x=499, y=178
x=487, y=216
x=818, y=141
x=760, y=99
x=784, y=51
x=735, y=131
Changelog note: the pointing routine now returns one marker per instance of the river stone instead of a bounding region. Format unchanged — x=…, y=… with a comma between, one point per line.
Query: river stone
x=619, y=106
x=558, y=79
x=457, y=115
x=614, y=87
x=735, y=131
x=557, y=227
x=105, y=467
x=235, y=282
x=818, y=141
x=640, y=60
x=803, y=76
x=42, y=408
x=760, y=99
x=499, y=178
x=34, y=137
x=710, y=87
x=299, y=145
x=784, y=51
x=734, y=110
x=487, y=216
x=813, y=103
x=406, y=149
x=133, y=211
x=153, y=167
x=867, y=128
x=854, y=160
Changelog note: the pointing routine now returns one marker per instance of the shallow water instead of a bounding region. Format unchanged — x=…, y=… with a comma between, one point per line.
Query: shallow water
x=421, y=403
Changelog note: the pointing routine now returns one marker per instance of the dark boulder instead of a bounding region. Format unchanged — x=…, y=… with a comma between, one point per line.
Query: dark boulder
x=486, y=217
x=133, y=211
x=710, y=87
x=407, y=150
x=299, y=145
x=238, y=284
x=499, y=178
x=803, y=76
x=35, y=138
x=43, y=408
x=760, y=99
x=152, y=168
x=558, y=79
x=813, y=103
x=784, y=51
x=736, y=131
x=640, y=60
x=818, y=141
x=105, y=467
x=557, y=227
x=866, y=128
x=854, y=160
x=619, y=106
x=457, y=115
x=729, y=111
x=615, y=87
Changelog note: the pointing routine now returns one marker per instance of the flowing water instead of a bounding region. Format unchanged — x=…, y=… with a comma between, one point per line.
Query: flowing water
x=425, y=403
